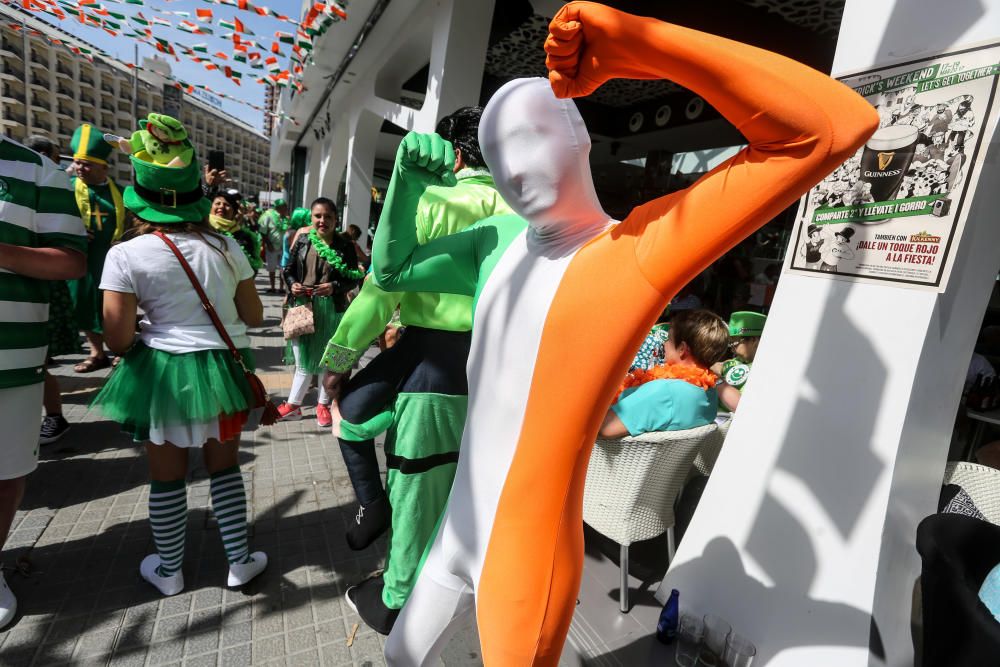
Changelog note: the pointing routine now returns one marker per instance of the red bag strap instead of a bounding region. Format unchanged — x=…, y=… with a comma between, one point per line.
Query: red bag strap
x=205, y=303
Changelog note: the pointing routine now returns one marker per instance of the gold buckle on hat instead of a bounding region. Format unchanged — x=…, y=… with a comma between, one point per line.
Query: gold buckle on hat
x=173, y=192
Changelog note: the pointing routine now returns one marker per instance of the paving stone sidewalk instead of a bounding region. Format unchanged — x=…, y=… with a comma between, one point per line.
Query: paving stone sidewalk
x=73, y=554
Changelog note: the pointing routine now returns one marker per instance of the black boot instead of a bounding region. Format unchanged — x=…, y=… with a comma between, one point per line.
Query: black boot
x=366, y=600
x=371, y=521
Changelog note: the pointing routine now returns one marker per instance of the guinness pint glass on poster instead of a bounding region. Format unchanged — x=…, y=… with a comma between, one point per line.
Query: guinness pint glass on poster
x=886, y=158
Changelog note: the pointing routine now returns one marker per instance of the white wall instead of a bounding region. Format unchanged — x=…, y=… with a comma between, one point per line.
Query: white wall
x=806, y=529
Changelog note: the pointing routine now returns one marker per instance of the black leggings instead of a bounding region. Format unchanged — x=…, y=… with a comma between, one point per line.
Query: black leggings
x=423, y=361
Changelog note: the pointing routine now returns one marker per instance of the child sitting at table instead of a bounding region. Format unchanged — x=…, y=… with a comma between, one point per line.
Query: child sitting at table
x=745, y=329
x=679, y=394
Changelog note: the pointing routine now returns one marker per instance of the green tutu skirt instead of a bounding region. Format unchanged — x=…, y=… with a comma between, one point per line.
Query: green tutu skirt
x=151, y=387
x=312, y=346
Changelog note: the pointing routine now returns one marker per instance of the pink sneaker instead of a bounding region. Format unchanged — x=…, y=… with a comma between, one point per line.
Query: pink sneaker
x=323, y=416
x=289, y=413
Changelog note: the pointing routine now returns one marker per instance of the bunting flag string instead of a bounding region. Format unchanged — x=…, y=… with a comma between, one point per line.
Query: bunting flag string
x=246, y=51
x=180, y=84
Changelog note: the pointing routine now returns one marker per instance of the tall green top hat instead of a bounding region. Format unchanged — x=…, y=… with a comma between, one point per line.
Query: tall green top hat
x=88, y=144
x=166, y=195
x=746, y=323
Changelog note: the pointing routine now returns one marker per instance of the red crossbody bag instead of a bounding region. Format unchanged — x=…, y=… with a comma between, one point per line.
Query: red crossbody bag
x=266, y=412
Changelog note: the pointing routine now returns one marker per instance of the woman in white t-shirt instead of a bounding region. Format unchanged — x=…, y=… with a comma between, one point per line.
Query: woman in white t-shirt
x=178, y=386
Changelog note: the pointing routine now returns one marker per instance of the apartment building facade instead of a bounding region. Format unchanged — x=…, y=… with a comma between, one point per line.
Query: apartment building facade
x=47, y=90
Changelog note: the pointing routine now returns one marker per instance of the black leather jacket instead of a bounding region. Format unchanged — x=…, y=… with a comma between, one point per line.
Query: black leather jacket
x=296, y=269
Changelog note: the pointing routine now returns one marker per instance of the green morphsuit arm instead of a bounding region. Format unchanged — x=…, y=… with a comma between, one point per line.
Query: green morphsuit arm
x=449, y=264
x=364, y=320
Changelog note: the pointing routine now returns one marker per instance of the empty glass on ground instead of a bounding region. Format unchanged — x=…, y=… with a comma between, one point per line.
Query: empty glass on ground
x=690, y=631
x=713, y=645
x=739, y=651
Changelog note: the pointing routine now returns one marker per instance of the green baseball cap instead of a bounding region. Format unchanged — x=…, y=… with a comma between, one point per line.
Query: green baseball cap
x=746, y=323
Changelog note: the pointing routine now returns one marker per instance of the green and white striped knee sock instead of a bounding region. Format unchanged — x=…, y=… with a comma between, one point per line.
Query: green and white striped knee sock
x=168, y=518
x=229, y=502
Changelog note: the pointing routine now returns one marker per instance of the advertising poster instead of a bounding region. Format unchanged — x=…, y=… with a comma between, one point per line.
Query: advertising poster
x=894, y=211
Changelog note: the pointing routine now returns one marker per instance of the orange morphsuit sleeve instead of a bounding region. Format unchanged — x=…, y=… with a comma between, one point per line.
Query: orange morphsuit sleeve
x=799, y=123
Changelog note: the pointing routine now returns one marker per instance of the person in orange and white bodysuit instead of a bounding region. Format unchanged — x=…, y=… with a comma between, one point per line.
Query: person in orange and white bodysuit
x=541, y=374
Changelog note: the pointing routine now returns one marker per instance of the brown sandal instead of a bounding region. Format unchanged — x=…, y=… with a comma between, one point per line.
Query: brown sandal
x=91, y=364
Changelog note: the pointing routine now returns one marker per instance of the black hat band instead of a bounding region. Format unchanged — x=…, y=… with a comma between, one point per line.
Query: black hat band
x=168, y=197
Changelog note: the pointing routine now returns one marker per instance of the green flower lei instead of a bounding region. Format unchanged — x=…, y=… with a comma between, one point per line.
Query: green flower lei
x=255, y=261
x=324, y=250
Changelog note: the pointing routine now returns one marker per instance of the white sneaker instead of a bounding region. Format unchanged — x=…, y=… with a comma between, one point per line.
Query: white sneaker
x=8, y=603
x=242, y=573
x=171, y=585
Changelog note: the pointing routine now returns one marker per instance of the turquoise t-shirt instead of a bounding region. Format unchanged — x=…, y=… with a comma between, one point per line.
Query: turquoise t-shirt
x=666, y=405
x=989, y=593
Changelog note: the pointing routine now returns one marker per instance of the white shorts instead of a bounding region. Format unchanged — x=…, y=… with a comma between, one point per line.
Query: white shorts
x=273, y=260
x=20, y=413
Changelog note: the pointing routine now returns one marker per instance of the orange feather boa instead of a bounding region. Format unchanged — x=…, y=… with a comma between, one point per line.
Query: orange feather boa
x=699, y=377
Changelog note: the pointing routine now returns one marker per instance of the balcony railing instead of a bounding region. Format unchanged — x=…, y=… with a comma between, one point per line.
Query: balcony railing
x=65, y=71
x=13, y=49
x=43, y=125
x=66, y=92
x=106, y=88
x=38, y=60
x=16, y=117
x=86, y=99
x=8, y=68
x=13, y=94
x=65, y=111
x=86, y=80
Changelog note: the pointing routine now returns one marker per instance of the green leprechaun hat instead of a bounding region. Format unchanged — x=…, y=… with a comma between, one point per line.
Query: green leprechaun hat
x=746, y=323
x=88, y=144
x=167, y=195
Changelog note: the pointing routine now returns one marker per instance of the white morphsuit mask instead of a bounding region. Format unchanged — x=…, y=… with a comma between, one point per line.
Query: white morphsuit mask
x=537, y=148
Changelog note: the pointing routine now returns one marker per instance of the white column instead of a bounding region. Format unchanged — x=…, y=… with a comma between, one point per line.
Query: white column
x=458, y=56
x=310, y=184
x=806, y=531
x=457, y=59
x=334, y=159
x=360, y=164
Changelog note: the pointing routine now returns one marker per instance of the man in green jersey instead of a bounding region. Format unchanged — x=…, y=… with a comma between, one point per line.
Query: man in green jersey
x=41, y=239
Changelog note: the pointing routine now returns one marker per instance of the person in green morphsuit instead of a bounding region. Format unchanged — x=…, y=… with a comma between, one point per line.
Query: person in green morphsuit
x=416, y=390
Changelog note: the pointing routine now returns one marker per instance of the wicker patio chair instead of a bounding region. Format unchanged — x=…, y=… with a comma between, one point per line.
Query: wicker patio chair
x=709, y=452
x=632, y=484
x=982, y=483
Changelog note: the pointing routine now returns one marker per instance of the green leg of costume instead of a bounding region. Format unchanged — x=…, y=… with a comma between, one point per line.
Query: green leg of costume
x=421, y=453
x=369, y=430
